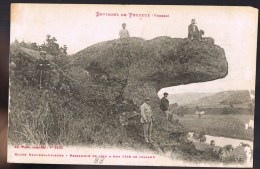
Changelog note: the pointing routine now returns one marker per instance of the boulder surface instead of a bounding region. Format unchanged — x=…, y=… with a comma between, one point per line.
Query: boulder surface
x=138, y=68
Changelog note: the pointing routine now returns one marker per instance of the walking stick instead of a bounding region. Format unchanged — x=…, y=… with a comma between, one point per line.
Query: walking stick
x=168, y=127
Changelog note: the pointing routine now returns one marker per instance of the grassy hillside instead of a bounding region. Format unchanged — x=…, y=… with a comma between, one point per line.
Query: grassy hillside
x=84, y=99
x=53, y=116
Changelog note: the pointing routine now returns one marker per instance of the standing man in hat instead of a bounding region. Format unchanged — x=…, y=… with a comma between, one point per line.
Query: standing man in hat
x=193, y=29
x=123, y=33
x=147, y=119
x=44, y=68
x=164, y=106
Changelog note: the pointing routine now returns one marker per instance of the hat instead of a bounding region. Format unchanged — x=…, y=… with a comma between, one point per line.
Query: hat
x=165, y=93
x=124, y=24
x=43, y=52
x=193, y=21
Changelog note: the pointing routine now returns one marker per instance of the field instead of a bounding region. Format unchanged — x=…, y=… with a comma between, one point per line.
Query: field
x=231, y=126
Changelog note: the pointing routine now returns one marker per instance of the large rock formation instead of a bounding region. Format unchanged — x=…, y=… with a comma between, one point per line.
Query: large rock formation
x=136, y=68
x=88, y=96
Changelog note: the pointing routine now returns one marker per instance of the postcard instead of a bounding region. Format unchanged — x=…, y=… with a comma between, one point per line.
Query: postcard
x=138, y=85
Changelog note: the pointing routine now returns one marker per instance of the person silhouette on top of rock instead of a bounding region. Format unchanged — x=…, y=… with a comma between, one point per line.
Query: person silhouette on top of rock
x=193, y=31
x=123, y=33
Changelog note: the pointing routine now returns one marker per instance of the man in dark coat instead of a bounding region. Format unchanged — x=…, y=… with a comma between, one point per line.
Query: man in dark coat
x=193, y=31
x=164, y=106
x=43, y=66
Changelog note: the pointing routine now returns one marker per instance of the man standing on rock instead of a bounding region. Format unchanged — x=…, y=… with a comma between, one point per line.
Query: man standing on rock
x=193, y=33
x=123, y=33
x=43, y=67
x=147, y=119
x=164, y=106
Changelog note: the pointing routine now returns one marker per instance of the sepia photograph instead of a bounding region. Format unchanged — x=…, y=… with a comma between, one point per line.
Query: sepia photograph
x=138, y=85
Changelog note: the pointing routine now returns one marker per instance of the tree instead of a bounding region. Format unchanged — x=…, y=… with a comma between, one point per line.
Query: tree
x=197, y=108
x=34, y=46
x=175, y=105
x=16, y=42
x=64, y=49
x=52, y=47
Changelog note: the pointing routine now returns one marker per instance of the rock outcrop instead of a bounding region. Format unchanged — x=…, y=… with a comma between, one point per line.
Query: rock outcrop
x=89, y=94
x=139, y=68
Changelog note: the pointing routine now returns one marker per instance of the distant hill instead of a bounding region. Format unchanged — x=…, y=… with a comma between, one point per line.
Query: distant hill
x=187, y=98
x=209, y=99
x=237, y=97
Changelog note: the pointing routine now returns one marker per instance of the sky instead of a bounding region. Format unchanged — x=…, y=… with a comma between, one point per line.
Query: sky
x=77, y=26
